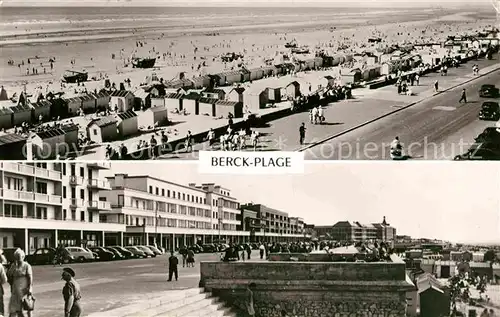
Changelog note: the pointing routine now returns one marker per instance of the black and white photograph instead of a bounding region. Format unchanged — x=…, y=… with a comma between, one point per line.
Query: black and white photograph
x=160, y=239
x=337, y=80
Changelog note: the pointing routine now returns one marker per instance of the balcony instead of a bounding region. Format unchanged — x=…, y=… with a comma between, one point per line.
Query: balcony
x=77, y=203
x=52, y=223
x=33, y=197
x=99, y=205
x=30, y=170
x=99, y=165
x=98, y=184
x=76, y=180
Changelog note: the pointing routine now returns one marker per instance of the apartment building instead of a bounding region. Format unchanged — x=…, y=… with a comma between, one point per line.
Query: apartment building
x=271, y=225
x=170, y=214
x=356, y=231
x=44, y=204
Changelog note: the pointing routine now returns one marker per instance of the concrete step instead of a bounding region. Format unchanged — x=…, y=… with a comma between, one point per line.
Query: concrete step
x=223, y=312
x=199, y=308
x=163, y=309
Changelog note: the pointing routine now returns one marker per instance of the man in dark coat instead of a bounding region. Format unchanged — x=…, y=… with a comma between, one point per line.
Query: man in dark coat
x=173, y=261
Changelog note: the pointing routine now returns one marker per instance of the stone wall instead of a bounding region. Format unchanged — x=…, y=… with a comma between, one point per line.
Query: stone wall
x=311, y=289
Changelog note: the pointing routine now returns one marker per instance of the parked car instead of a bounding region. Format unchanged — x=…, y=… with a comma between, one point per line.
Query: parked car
x=196, y=248
x=126, y=253
x=136, y=252
x=481, y=152
x=46, y=256
x=80, y=254
x=94, y=254
x=209, y=248
x=490, y=134
x=488, y=91
x=104, y=255
x=155, y=250
x=118, y=255
x=146, y=251
x=489, y=111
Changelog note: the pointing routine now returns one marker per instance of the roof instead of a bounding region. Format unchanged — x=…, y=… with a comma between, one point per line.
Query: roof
x=102, y=94
x=229, y=73
x=215, y=91
x=120, y=93
x=207, y=100
x=239, y=90
x=294, y=83
x=11, y=138
x=479, y=265
x=192, y=96
x=226, y=103
x=127, y=115
x=41, y=103
x=103, y=121
x=426, y=281
x=140, y=93
x=20, y=108
x=158, y=109
x=69, y=127
x=174, y=96
x=200, y=78
x=50, y=133
x=5, y=111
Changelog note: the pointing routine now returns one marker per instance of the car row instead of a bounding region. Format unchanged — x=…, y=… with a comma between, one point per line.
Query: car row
x=75, y=254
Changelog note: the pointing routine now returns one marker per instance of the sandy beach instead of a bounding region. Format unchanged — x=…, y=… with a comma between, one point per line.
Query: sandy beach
x=197, y=49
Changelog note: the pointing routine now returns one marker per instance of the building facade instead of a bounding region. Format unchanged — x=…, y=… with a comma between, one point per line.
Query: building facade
x=355, y=231
x=45, y=204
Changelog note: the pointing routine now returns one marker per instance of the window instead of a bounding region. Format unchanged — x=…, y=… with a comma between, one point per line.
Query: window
x=64, y=192
x=157, y=191
x=95, y=131
x=173, y=194
x=64, y=214
x=188, y=196
x=82, y=172
x=168, y=193
x=82, y=193
x=14, y=211
x=121, y=200
x=41, y=213
x=73, y=193
x=64, y=168
x=15, y=183
x=183, y=196
x=41, y=188
x=150, y=189
x=82, y=215
x=73, y=215
x=91, y=217
x=163, y=192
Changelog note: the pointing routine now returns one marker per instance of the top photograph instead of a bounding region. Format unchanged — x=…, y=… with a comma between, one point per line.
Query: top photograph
x=336, y=80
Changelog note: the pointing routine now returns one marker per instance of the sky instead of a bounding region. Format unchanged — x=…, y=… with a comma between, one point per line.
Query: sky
x=437, y=201
x=375, y=3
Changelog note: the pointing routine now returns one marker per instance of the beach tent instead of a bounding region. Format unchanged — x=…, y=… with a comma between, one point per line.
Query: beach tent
x=73, y=104
x=224, y=108
x=127, y=123
x=89, y=102
x=156, y=116
x=174, y=101
x=274, y=94
x=12, y=147
x=228, y=78
x=353, y=76
x=434, y=301
x=236, y=94
x=245, y=75
x=3, y=94
x=103, y=129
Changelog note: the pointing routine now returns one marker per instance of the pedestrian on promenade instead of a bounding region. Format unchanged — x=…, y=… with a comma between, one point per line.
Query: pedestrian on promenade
x=262, y=249
x=249, y=302
x=436, y=86
x=173, y=262
x=211, y=137
x=417, y=79
x=184, y=252
x=302, y=133
x=71, y=294
x=249, y=251
x=3, y=280
x=190, y=258
x=189, y=142
x=20, y=278
x=463, y=97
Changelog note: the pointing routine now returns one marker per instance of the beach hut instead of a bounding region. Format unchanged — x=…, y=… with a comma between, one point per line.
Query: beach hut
x=121, y=100
x=235, y=94
x=387, y=68
x=223, y=108
x=102, y=130
x=190, y=103
x=214, y=93
x=73, y=105
x=207, y=106
x=201, y=82
x=174, y=101
x=152, y=116
x=270, y=71
x=42, y=107
x=293, y=89
x=286, y=68
x=256, y=74
x=71, y=135
x=433, y=297
x=12, y=147
x=228, y=78
x=353, y=76
x=49, y=143
x=157, y=102
x=180, y=83
x=245, y=75
x=142, y=99
x=370, y=73
x=330, y=81
x=255, y=99
x=88, y=102
x=6, y=118
x=21, y=114
x=127, y=123
x=102, y=100
x=274, y=94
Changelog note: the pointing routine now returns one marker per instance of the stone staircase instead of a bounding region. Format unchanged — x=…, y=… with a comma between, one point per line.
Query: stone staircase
x=194, y=302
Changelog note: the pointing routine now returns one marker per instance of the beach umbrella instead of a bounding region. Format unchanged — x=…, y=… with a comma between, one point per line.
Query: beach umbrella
x=3, y=94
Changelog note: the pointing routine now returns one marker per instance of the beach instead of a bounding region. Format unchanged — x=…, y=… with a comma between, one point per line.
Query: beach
x=193, y=42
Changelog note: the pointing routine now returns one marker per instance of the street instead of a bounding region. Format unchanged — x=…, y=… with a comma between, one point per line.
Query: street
x=109, y=285
x=437, y=124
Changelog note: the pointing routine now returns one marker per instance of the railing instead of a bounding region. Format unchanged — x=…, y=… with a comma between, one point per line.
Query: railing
x=100, y=165
x=101, y=205
x=76, y=180
x=77, y=203
x=18, y=168
x=53, y=199
x=31, y=196
x=99, y=184
x=41, y=172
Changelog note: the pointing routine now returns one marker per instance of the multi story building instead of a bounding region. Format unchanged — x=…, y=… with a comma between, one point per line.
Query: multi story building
x=356, y=231
x=170, y=214
x=270, y=225
x=44, y=204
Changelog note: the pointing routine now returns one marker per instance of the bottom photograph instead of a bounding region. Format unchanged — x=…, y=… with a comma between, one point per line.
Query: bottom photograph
x=161, y=239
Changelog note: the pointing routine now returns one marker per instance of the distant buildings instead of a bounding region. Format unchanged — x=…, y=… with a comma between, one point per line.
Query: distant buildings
x=356, y=231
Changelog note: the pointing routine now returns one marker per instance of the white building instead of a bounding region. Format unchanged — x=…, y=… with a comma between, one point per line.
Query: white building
x=176, y=215
x=44, y=204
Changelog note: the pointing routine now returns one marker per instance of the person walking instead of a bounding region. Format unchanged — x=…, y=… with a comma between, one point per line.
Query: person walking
x=71, y=294
x=249, y=251
x=463, y=97
x=189, y=142
x=262, y=249
x=249, y=302
x=3, y=280
x=302, y=133
x=190, y=258
x=184, y=252
x=436, y=86
x=173, y=262
x=20, y=278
